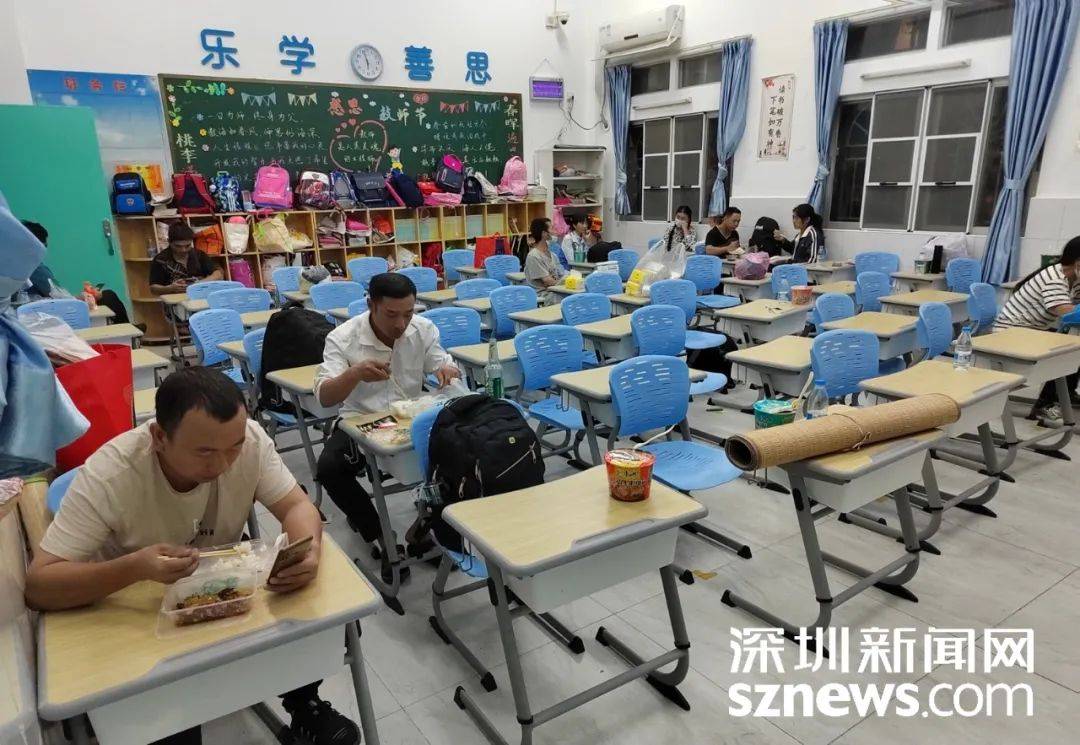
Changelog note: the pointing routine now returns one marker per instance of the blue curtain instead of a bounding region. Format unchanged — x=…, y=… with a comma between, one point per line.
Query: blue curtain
x=830, y=43
x=618, y=91
x=1042, y=38
x=735, y=84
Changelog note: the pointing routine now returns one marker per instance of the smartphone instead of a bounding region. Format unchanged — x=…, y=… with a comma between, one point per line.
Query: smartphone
x=292, y=554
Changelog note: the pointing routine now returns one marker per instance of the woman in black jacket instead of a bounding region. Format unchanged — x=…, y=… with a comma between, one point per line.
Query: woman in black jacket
x=809, y=244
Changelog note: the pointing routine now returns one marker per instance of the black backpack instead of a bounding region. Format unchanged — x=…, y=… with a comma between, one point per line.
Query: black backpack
x=480, y=446
x=130, y=195
x=599, y=251
x=474, y=191
x=370, y=189
x=762, y=237
x=295, y=336
x=406, y=188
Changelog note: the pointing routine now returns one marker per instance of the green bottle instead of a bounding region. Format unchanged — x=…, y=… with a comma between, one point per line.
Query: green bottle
x=493, y=373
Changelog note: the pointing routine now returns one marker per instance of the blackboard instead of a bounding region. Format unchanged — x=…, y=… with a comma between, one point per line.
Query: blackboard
x=235, y=125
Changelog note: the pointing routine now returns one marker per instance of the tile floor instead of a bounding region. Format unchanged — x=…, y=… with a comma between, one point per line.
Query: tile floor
x=1017, y=571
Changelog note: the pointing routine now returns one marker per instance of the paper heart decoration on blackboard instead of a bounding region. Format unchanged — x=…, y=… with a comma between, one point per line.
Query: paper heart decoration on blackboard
x=345, y=132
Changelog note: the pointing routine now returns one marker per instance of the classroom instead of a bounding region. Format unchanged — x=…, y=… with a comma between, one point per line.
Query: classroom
x=539, y=371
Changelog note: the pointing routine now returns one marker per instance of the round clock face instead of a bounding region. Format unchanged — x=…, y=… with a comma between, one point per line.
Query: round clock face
x=367, y=63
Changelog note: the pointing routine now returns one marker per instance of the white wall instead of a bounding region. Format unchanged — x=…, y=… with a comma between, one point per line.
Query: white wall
x=13, y=87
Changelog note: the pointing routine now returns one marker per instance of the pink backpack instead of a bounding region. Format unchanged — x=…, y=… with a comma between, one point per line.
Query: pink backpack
x=272, y=188
x=240, y=271
x=515, y=178
x=752, y=266
x=442, y=199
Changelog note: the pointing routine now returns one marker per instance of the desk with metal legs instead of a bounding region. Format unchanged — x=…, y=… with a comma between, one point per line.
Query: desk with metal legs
x=783, y=364
x=761, y=320
x=895, y=333
x=473, y=358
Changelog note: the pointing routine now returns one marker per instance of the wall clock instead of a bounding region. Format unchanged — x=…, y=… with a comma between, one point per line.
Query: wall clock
x=367, y=62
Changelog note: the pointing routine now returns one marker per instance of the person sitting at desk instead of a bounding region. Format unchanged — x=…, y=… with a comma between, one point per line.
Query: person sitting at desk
x=724, y=236
x=1039, y=302
x=142, y=506
x=181, y=264
x=542, y=269
x=809, y=243
x=370, y=360
x=575, y=245
x=681, y=235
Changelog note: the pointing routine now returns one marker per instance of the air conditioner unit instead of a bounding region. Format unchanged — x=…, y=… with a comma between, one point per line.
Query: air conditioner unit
x=643, y=31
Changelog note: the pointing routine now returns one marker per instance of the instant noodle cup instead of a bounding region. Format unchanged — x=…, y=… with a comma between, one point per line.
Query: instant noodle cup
x=629, y=474
x=801, y=294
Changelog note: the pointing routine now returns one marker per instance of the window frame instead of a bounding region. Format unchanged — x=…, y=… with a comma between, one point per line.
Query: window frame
x=918, y=12
x=678, y=71
x=916, y=156
x=948, y=6
x=644, y=65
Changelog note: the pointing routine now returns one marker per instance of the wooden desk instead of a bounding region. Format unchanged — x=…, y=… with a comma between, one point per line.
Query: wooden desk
x=472, y=272
x=234, y=349
x=541, y=316
x=472, y=358
x=297, y=296
x=844, y=287
x=556, y=542
x=216, y=668
x=191, y=307
x=144, y=404
x=174, y=311
x=913, y=281
x=481, y=305
x=257, y=319
x=823, y=272
x=895, y=333
x=557, y=293
x=101, y=315
x=908, y=303
x=762, y=320
x=144, y=367
x=783, y=364
x=117, y=333
x=437, y=298
x=585, y=267
x=748, y=289
x=613, y=339
x=516, y=278
x=623, y=304
x=299, y=384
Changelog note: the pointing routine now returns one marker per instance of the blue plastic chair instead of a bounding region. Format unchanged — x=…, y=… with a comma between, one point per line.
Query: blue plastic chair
x=627, y=259
x=682, y=294
x=58, y=488
x=212, y=327
x=285, y=279
x=544, y=351
x=1069, y=321
x=201, y=290
x=326, y=296
x=457, y=326
x=507, y=300
x=454, y=258
x=933, y=330
x=982, y=306
x=705, y=272
x=585, y=307
x=498, y=266
x=425, y=278
x=253, y=346
x=604, y=283
x=833, y=306
x=73, y=312
x=870, y=287
x=243, y=300
x=795, y=274
x=699, y=249
x=471, y=289
x=843, y=358
x=661, y=329
x=877, y=261
x=356, y=307
x=961, y=273
x=363, y=268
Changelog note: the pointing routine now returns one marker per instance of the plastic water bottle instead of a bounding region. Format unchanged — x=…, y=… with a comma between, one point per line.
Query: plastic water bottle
x=817, y=403
x=493, y=373
x=962, y=352
x=785, y=290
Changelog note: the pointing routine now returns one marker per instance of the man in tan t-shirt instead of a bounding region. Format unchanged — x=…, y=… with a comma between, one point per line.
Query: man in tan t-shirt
x=142, y=506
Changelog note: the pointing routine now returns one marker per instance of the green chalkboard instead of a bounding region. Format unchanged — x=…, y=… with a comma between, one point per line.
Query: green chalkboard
x=217, y=124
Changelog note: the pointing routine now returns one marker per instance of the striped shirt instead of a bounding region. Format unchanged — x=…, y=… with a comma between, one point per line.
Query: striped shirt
x=1032, y=301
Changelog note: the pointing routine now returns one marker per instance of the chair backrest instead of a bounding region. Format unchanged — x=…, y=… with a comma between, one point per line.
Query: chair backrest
x=659, y=329
x=1069, y=321
x=421, y=434
x=498, y=266
x=212, y=327
x=330, y=295
x=627, y=259
x=507, y=300
x=356, y=307
x=877, y=261
x=548, y=350
x=704, y=271
x=982, y=306
x=58, y=488
x=960, y=273
x=650, y=392
x=201, y=290
x=585, y=307
x=72, y=311
x=243, y=300
x=870, y=287
x=425, y=278
x=285, y=279
x=843, y=358
x=699, y=249
x=678, y=292
x=933, y=330
x=457, y=326
x=471, y=289
x=454, y=258
x=253, y=346
x=363, y=268
x=833, y=306
x=795, y=274
x=605, y=283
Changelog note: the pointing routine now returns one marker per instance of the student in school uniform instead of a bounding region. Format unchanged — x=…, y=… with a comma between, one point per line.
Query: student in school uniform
x=724, y=236
x=1039, y=302
x=809, y=243
x=575, y=242
x=143, y=505
x=542, y=268
x=181, y=264
x=369, y=361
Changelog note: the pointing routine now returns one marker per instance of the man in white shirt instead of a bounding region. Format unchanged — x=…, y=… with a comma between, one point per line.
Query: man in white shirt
x=368, y=361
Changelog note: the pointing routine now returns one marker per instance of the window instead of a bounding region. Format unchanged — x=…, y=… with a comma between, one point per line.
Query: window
x=953, y=132
x=890, y=177
x=888, y=36
x=849, y=170
x=972, y=20
x=992, y=169
x=634, y=143
x=655, y=165
x=650, y=78
x=704, y=68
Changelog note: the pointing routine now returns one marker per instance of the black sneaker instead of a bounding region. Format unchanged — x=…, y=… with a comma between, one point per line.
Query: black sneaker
x=317, y=722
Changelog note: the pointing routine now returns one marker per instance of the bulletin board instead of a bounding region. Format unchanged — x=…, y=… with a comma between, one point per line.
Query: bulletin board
x=237, y=125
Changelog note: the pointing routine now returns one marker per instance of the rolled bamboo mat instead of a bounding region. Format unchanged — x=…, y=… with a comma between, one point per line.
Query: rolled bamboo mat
x=834, y=433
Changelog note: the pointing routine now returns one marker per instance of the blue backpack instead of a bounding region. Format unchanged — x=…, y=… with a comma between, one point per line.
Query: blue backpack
x=342, y=190
x=225, y=189
x=130, y=195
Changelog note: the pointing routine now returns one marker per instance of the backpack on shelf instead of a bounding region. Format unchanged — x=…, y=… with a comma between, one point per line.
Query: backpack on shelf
x=515, y=178
x=272, y=188
x=295, y=336
x=487, y=188
x=407, y=189
x=190, y=194
x=240, y=271
x=130, y=195
x=342, y=190
x=370, y=189
x=442, y=199
x=431, y=257
x=313, y=191
x=473, y=192
x=450, y=176
x=480, y=446
x=225, y=189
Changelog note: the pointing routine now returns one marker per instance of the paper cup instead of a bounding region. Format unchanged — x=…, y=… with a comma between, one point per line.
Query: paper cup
x=629, y=474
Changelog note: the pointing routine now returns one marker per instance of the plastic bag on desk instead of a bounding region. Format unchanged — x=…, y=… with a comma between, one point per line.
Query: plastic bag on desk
x=661, y=263
x=57, y=338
